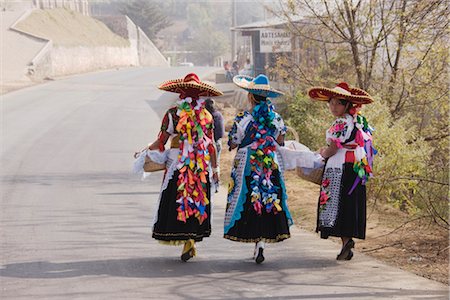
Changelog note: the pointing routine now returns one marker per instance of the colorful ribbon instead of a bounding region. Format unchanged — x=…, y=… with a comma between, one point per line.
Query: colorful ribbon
x=193, y=126
x=264, y=194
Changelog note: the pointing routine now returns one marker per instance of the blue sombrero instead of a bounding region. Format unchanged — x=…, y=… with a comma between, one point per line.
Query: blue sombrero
x=258, y=85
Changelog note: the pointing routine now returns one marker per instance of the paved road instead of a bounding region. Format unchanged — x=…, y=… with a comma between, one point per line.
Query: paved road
x=75, y=223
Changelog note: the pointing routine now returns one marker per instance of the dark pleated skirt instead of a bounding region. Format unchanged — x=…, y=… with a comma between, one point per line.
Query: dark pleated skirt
x=252, y=227
x=351, y=218
x=168, y=228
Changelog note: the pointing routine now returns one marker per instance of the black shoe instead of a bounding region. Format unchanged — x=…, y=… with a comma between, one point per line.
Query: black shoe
x=260, y=257
x=188, y=254
x=350, y=255
x=346, y=250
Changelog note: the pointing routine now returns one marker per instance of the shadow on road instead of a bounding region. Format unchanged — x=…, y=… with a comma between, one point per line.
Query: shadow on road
x=230, y=272
x=149, y=267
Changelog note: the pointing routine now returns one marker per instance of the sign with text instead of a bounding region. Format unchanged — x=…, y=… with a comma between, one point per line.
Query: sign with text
x=274, y=41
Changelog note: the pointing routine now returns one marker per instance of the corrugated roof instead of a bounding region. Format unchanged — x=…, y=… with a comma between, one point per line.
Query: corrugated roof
x=264, y=24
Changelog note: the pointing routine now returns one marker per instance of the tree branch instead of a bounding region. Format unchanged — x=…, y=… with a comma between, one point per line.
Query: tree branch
x=419, y=179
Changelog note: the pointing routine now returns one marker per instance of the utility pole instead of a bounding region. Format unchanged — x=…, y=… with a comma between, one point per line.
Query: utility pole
x=233, y=32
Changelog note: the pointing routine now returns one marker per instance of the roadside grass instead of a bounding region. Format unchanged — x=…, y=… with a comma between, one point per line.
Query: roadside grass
x=413, y=244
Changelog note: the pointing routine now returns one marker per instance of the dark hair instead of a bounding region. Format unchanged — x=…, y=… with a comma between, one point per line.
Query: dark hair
x=209, y=105
x=344, y=102
x=259, y=98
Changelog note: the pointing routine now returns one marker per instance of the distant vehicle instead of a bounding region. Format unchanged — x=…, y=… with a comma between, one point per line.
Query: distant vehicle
x=186, y=64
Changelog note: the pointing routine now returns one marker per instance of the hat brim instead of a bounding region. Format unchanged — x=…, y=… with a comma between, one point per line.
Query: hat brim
x=358, y=96
x=178, y=86
x=244, y=82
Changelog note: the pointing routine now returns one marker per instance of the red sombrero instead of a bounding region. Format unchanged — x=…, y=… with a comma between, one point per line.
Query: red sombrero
x=190, y=86
x=342, y=90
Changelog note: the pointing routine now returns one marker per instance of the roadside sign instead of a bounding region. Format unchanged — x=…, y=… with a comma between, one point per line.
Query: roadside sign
x=274, y=41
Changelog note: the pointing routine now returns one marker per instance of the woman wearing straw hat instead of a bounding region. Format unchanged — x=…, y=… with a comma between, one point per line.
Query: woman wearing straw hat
x=257, y=210
x=349, y=155
x=184, y=210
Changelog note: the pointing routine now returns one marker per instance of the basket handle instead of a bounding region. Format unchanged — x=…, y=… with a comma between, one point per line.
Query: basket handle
x=136, y=154
x=294, y=133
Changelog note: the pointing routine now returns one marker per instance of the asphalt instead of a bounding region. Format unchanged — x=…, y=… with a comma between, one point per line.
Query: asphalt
x=76, y=224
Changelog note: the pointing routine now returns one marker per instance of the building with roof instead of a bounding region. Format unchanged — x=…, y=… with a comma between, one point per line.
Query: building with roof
x=264, y=41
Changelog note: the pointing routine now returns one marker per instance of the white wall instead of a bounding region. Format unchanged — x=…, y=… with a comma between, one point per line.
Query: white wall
x=16, y=5
x=81, y=6
x=72, y=60
x=149, y=55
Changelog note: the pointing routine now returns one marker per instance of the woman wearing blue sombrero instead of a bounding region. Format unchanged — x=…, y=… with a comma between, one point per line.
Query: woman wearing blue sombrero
x=257, y=210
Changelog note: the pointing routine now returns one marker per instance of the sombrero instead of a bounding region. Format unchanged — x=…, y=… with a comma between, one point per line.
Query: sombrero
x=190, y=85
x=258, y=85
x=342, y=90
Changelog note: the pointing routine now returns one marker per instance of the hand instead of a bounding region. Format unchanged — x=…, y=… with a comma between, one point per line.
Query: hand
x=216, y=177
x=323, y=151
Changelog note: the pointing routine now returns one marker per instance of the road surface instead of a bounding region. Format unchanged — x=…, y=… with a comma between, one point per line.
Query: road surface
x=76, y=223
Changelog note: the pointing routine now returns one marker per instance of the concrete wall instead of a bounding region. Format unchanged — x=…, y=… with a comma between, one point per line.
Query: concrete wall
x=16, y=5
x=58, y=61
x=81, y=6
x=72, y=60
x=147, y=54
x=17, y=48
x=53, y=60
x=41, y=65
x=132, y=36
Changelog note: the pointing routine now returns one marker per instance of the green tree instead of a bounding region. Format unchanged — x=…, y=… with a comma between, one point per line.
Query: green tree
x=397, y=50
x=147, y=15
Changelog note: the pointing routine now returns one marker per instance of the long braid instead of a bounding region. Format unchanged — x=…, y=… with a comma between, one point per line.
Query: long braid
x=262, y=159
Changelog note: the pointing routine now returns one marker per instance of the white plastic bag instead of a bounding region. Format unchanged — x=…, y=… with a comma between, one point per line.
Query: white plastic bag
x=296, y=155
x=155, y=155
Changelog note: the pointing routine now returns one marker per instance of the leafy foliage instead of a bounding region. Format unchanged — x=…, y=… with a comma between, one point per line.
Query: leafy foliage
x=397, y=51
x=146, y=14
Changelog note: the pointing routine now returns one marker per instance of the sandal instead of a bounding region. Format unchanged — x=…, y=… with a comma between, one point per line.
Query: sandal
x=189, y=250
x=346, y=250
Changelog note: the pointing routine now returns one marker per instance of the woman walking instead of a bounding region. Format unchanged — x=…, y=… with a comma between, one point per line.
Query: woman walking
x=349, y=155
x=184, y=210
x=257, y=210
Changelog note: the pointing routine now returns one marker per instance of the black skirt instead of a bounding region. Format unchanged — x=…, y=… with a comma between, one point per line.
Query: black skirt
x=168, y=228
x=351, y=217
x=251, y=227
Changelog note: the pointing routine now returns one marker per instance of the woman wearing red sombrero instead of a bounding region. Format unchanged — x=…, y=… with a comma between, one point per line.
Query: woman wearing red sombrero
x=184, y=209
x=257, y=210
x=349, y=155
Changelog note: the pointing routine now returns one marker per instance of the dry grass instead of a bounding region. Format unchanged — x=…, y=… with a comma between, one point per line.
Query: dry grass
x=394, y=237
x=70, y=28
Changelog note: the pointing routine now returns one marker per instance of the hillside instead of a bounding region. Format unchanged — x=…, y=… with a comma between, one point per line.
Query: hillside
x=70, y=29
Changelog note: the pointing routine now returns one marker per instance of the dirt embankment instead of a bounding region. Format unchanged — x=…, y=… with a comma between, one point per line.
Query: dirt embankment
x=413, y=244
x=70, y=29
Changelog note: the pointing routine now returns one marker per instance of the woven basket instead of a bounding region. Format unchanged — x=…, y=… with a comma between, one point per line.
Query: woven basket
x=294, y=133
x=151, y=166
x=315, y=176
